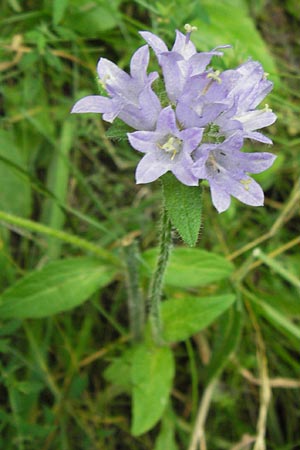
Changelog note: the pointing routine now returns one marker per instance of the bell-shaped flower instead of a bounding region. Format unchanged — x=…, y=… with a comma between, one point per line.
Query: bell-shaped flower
x=130, y=97
x=248, y=87
x=226, y=169
x=167, y=148
x=203, y=99
x=180, y=63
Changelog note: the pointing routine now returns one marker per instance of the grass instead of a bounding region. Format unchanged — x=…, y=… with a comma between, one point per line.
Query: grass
x=72, y=190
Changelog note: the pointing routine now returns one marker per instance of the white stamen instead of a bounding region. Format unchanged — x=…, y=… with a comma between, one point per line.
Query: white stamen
x=189, y=28
x=215, y=76
x=172, y=145
x=266, y=108
x=246, y=184
x=102, y=81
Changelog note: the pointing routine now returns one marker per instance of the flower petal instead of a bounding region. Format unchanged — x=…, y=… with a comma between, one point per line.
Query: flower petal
x=139, y=63
x=175, y=71
x=149, y=169
x=154, y=41
x=254, y=120
x=113, y=77
x=143, y=141
x=255, y=162
x=166, y=122
x=247, y=191
x=183, y=171
x=258, y=137
x=220, y=198
x=191, y=137
x=181, y=46
x=93, y=104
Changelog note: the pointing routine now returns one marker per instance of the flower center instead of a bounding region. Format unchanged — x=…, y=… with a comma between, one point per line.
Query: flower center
x=212, y=134
x=172, y=145
x=212, y=164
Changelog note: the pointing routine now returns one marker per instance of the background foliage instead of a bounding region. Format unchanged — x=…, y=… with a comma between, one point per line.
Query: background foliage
x=69, y=206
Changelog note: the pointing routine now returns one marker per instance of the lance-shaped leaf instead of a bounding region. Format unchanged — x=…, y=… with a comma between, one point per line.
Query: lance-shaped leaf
x=152, y=376
x=58, y=286
x=184, y=317
x=184, y=206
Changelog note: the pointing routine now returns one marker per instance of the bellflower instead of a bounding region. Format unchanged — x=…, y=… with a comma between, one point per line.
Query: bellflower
x=248, y=89
x=182, y=62
x=204, y=98
x=225, y=167
x=199, y=131
x=166, y=149
x=130, y=97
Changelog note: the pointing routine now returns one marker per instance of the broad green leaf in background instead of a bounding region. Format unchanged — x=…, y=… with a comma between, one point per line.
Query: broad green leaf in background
x=191, y=267
x=184, y=206
x=152, y=376
x=184, y=317
x=15, y=189
x=119, y=370
x=59, y=286
x=230, y=23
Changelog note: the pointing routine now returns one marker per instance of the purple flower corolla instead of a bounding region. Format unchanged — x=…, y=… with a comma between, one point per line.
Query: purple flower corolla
x=249, y=86
x=166, y=149
x=180, y=63
x=203, y=99
x=225, y=167
x=130, y=97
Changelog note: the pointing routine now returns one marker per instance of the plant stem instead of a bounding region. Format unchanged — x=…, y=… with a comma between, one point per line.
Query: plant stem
x=156, y=284
x=136, y=305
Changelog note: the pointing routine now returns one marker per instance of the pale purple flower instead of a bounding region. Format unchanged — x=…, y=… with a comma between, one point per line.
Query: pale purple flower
x=226, y=167
x=130, y=97
x=166, y=149
x=181, y=63
x=248, y=87
x=203, y=99
x=200, y=132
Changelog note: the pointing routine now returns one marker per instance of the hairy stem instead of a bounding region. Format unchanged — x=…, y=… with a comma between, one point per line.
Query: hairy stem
x=136, y=305
x=156, y=285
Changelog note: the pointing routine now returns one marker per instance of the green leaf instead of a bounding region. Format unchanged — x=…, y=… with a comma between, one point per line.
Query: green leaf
x=184, y=317
x=226, y=340
x=152, y=376
x=184, y=206
x=59, y=286
x=191, y=267
x=119, y=371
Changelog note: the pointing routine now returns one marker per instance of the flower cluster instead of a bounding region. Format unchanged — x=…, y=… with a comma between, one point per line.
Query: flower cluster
x=197, y=129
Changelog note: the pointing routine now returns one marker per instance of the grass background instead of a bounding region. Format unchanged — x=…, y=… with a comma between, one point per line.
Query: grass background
x=64, y=172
